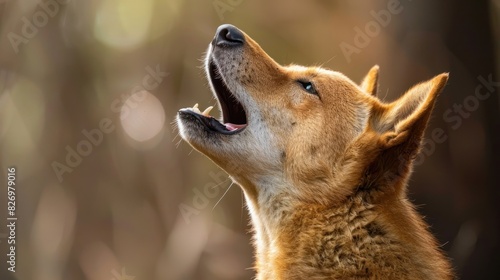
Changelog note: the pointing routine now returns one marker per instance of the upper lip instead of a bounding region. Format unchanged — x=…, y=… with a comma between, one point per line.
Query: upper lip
x=234, y=118
x=233, y=111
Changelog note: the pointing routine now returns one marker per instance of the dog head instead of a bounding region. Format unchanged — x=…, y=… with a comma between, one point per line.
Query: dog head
x=306, y=131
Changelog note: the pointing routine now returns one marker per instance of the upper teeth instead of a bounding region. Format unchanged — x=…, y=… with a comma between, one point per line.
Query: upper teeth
x=205, y=113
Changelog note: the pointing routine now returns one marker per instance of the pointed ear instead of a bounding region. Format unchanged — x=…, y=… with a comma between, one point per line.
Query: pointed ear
x=370, y=82
x=397, y=129
x=404, y=120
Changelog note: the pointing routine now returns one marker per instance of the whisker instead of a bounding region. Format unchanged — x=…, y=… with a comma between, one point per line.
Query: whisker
x=228, y=188
x=178, y=143
x=326, y=62
x=220, y=183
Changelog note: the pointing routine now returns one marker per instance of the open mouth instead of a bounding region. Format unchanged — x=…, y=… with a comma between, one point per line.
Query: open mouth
x=234, y=118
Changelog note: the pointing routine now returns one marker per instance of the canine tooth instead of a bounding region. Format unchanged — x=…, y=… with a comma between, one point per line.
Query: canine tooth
x=207, y=111
x=196, y=109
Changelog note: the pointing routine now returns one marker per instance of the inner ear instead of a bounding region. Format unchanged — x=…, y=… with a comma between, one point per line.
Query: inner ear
x=410, y=113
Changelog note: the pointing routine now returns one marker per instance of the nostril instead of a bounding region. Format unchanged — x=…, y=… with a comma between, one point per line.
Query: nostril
x=233, y=36
x=229, y=35
x=223, y=33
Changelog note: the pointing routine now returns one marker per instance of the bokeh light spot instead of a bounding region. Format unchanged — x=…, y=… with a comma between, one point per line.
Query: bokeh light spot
x=123, y=24
x=142, y=116
x=22, y=120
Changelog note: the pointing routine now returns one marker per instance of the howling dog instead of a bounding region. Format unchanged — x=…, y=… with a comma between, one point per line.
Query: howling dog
x=323, y=164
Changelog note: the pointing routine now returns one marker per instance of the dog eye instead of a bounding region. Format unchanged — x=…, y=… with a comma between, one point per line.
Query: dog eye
x=308, y=86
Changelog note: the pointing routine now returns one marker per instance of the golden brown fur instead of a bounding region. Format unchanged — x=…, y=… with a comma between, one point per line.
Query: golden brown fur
x=325, y=174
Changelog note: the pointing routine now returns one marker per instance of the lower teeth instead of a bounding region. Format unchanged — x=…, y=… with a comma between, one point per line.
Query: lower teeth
x=205, y=113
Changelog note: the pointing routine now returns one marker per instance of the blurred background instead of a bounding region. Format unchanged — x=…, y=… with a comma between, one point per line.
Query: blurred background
x=105, y=188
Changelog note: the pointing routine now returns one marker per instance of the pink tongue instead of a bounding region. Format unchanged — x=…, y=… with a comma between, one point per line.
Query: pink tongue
x=232, y=126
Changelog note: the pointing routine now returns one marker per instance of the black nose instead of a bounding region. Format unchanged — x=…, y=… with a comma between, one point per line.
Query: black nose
x=228, y=35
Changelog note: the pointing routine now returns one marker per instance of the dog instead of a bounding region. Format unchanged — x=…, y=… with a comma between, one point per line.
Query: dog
x=323, y=164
